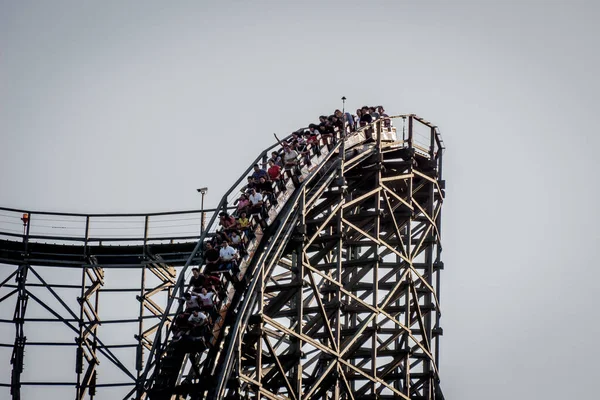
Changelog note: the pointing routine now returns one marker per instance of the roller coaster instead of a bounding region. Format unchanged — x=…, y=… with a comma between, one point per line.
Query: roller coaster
x=337, y=296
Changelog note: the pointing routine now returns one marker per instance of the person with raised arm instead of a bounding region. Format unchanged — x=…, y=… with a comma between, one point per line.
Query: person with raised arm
x=191, y=302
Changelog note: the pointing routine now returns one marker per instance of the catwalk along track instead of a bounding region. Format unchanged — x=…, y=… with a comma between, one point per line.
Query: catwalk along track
x=337, y=295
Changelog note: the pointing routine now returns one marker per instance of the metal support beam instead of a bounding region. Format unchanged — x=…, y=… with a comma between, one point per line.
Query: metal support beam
x=18, y=354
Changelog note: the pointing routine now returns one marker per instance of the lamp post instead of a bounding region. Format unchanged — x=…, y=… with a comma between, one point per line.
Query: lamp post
x=202, y=191
x=25, y=219
x=344, y=113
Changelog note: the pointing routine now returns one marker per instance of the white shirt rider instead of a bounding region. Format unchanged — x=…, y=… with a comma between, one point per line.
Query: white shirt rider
x=227, y=252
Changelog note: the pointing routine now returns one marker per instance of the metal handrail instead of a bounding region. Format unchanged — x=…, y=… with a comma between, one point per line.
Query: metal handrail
x=65, y=214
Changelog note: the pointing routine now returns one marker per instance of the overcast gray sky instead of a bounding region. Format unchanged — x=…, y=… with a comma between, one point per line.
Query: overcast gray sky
x=130, y=106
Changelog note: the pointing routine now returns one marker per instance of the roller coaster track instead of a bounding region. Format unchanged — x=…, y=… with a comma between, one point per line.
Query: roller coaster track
x=339, y=296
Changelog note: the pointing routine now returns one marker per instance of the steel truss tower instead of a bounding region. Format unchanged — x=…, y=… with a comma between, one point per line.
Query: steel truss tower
x=340, y=299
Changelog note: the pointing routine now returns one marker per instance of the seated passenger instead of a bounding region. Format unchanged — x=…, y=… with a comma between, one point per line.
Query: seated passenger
x=237, y=242
x=290, y=157
x=178, y=334
x=256, y=201
x=299, y=141
x=211, y=283
x=323, y=120
x=296, y=136
x=211, y=256
x=228, y=257
x=236, y=239
x=358, y=116
x=197, y=318
x=217, y=240
x=249, y=184
x=227, y=221
x=191, y=302
x=302, y=149
x=196, y=280
x=181, y=321
x=243, y=223
x=313, y=129
x=258, y=172
x=337, y=123
x=199, y=325
x=348, y=119
x=326, y=130
x=273, y=171
x=206, y=300
x=243, y=204
x=276, y=158
x=387, y=122
x=312, y=139
x=264, y=186
x=181, y=326
x=366, y=117
x=374, y=113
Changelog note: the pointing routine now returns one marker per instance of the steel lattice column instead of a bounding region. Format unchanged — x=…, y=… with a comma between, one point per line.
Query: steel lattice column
x=92, y=280
x=18, y=354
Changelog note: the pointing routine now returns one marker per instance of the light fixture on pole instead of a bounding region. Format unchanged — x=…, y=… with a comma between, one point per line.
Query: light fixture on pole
x=344, y=113
x=202, y=191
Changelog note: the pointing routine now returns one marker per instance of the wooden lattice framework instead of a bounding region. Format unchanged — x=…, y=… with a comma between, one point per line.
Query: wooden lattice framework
x=349, y=309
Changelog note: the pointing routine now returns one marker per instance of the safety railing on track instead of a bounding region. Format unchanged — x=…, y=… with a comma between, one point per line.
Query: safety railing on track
x=105, y=229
